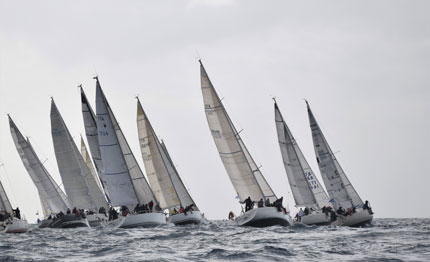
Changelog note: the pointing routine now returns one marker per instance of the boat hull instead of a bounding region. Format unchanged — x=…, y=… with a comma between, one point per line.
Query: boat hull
x=264, y=217
x=357, y=219
x=66, y=221
x=182, y=219
x=96, y=220
x=318, y=218
x=144, y=220
x=16, y=226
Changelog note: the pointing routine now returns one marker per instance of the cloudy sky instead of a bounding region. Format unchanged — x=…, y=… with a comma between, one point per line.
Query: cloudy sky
x=363, y=65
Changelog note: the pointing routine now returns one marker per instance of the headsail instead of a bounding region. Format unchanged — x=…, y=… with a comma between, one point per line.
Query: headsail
x=49, y=191
x=338, y=186
x=241, y=168
x=4, y=201
x=125, y=180
x=80, y=185
x=89, y=163
x=306, y=188
x=164, y=179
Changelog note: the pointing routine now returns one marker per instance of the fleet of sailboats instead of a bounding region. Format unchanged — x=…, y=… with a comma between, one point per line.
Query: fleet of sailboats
x=106, y=180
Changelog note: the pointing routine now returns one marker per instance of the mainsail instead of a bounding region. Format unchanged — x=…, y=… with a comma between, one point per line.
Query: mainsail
x=340, y=190
x=91, y=133
x=306, y=188
x=244, y=174
x=50, y=193
x=80, y=186
x=4, y=201
x=125, y=180
x=162, y=174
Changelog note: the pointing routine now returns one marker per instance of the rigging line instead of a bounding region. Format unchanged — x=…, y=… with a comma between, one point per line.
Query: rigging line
x=8, y=181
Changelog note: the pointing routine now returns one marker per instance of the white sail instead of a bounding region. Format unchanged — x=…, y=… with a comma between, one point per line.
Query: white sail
x=4, y=201
x=306, y=188
x=340, y=190
x=90, y=123
x=49, y=191
x=125, y=180
x=89, y=163
x=162, y=175
x=241, y=168
x=81, y=187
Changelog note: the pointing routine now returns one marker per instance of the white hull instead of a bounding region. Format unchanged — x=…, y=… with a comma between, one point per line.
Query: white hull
x=359, y=218
x=263, y=217
x=144, y=220
x=14, y=226
x=182, y=219
x=318, y=218
x=96, y=220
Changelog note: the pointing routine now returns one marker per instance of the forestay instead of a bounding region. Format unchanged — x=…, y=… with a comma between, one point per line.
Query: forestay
x=306, y=188
x=80, y=186
x=241, y=168
x=338, y=186
x=4, y=201
x=50, y=193
x=162, y=175
x=124, y=177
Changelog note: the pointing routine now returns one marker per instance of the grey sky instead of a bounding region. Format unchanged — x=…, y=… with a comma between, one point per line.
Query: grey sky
x=363, y=66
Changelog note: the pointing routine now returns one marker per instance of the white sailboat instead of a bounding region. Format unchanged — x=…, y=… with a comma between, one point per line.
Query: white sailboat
x=244, y=174
x=124, y=179
x=53, y=198
x=307, y=190
x=163, y=176
x=10, y=221
x=80, y=185
x=342, y=193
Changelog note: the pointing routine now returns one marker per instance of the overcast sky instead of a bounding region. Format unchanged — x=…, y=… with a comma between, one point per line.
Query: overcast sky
x=364, y=67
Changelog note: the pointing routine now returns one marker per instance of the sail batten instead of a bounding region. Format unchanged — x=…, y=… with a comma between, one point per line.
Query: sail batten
x=241, y=168
x=339, y=188
x=306, y=189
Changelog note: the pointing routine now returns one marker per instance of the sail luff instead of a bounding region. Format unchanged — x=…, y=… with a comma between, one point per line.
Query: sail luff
x=338, y=185
x=246, y=179
x=306, y=189
x=4, y=201
x=155, y=164
x=48, y=189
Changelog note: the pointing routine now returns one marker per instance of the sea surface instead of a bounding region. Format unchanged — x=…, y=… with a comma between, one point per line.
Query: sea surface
x=385, y=240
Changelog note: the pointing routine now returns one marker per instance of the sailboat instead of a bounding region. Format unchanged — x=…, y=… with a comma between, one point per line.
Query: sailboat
x=54, y=200
x=307, y=190
x=163, y=176
x=246, y=177
x=80, y=185
x=125, y=182
x=342, y=193
x=10, y=221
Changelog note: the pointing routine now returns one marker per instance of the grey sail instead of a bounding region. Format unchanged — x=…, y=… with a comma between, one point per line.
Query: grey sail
x=306, y=189
x=80, y=186
x=125, y=180
x=90, y=123
x=162, y=175
x=4, y=201
x=340, y=190
x=50, y=193
x=241, y=168
x=89, y=163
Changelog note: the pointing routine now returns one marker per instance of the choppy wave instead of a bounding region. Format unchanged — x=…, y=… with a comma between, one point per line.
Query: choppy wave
x=385, y=240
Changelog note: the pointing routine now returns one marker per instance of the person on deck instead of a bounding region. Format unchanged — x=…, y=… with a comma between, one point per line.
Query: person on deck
x=188, y=209
x=267, y=202
x=340, y=211
x=306, y=211
x=249, y=204
x=150, y=205
x=17, y=212
x=300, y=214
x=181, y=209
x=68, y=212
x=278, y=203
x=367, y=206
x=137, y=208
x=260, y=203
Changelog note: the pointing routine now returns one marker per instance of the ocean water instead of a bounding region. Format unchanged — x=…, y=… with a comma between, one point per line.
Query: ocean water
x=385, y=240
